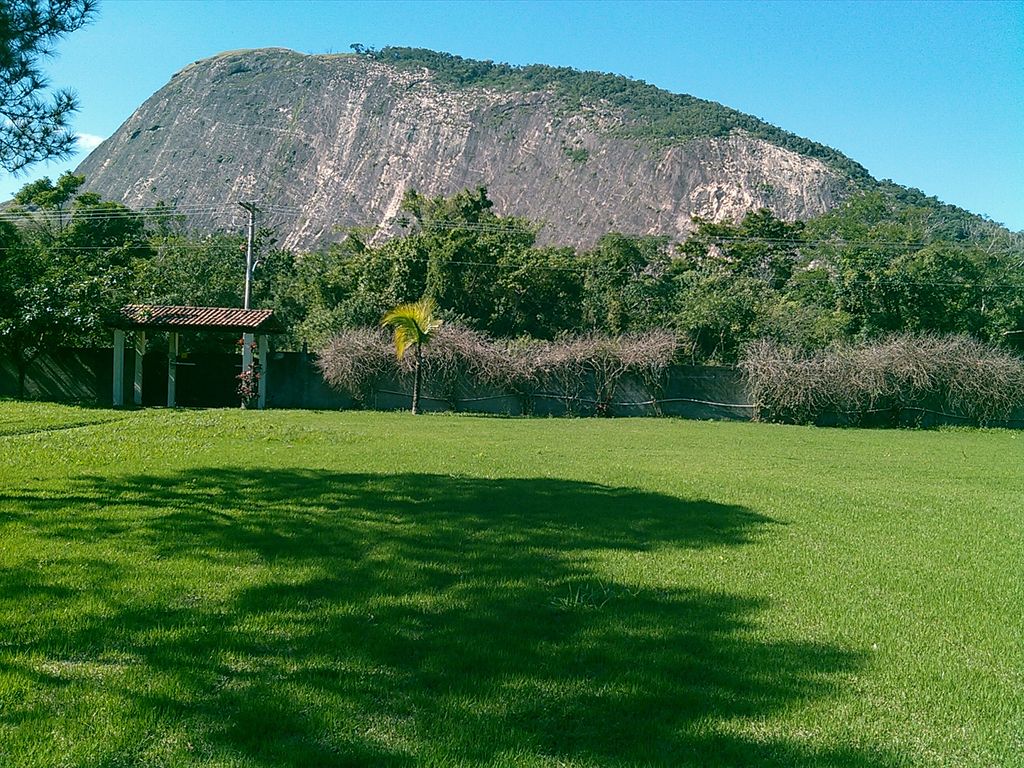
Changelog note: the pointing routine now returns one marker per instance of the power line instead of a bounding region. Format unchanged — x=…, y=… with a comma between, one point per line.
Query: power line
x=583, y=266
x=213, y=209
x=102, y=215
x=627, y=270
x=591, y=268
x=166, y=210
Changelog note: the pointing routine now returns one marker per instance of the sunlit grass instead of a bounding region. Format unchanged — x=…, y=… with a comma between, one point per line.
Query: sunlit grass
x=295, y=588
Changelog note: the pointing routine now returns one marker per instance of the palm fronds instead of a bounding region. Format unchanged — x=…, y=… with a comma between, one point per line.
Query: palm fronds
x=413, y=323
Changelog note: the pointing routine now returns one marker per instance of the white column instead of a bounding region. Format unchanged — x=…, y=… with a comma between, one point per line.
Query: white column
x=246, y=356
x=118, y=368
x=140, y=350
x=172, y=366
x=264, y=351
x=247, y=339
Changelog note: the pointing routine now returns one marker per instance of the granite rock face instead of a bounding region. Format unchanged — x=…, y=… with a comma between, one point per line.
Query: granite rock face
x=322, y=143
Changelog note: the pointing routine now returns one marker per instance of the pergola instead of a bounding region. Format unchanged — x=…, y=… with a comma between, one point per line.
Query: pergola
x=140, y=318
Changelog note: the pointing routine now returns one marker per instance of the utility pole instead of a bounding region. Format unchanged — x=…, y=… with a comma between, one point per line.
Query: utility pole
x=250, y=238
x=247, y=338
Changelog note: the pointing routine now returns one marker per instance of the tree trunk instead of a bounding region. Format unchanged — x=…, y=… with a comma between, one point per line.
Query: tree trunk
x=416, y=383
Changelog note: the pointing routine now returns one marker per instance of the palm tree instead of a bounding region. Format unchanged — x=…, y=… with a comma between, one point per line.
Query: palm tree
x=414, y=325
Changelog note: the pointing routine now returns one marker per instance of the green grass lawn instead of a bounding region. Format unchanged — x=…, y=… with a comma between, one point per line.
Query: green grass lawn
x=232, y=588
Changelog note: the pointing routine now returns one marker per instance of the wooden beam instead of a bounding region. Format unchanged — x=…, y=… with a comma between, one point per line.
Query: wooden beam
x=264, y=350
x=140, y=350
x=118, y=368
x=172, y=367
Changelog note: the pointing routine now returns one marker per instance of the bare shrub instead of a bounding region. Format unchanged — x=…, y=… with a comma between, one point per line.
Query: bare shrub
x=786, y=386
x=955, y=375
x=649, y=356
x=569, y=366
x=560, y=368
x=981, y=381
x=460, y=356
x=356, y=360
x=648, y=353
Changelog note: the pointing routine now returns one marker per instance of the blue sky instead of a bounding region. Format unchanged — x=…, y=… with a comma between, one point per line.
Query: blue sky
x=928, y=94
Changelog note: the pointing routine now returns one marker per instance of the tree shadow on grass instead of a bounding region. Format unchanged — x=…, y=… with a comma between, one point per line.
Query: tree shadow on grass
x=301, y=618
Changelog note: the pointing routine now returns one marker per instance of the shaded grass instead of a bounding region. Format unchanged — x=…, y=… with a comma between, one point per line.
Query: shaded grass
x=222, y=588
x=28, y=417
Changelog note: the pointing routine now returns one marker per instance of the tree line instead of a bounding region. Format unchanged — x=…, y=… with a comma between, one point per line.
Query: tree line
x=879, y=264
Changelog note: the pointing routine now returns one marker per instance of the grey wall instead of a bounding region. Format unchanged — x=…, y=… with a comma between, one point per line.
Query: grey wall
x=687, y=391
x=80, y=375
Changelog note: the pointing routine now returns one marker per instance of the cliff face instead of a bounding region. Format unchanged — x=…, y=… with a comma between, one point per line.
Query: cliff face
x=326, y=142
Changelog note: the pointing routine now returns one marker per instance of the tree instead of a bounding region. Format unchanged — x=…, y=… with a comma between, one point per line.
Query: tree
x=20, y=312
x=45, y=205
x=760, y=246
x=196, y=269
x=414, y=325
x=718, y=311
x=334, y=289
x=467, y=249
x=623, y=288
x=32, y=126
x=537, y=292
x=891, y=261
x=739, y=282
x=65, y=272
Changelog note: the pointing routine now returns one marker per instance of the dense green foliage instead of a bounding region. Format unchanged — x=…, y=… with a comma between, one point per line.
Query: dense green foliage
x=253, y=589
x=877, y=265
x=69, y=260
x=483, y=267
x=652, y=113
x=874, y=266
x=65, y=267
x=886, y=261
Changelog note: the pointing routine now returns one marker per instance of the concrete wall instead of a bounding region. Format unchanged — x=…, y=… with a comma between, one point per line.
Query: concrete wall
x=208, y=380
x=77, y=375
x=295, y=382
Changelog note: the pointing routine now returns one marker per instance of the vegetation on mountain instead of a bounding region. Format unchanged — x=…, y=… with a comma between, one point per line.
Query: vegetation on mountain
x=654, y=114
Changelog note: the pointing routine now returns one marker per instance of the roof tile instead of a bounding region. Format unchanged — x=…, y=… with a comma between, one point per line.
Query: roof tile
x=158, y=316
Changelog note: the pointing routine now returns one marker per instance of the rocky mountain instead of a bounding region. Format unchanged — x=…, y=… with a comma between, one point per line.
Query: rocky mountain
x=325, y=142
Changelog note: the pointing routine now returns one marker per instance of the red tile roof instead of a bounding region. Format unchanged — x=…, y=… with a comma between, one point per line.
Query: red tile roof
x=166, y=318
